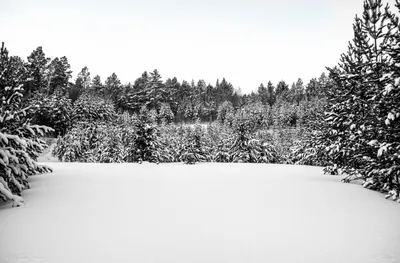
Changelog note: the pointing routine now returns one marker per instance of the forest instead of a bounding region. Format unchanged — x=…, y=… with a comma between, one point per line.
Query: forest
x=347, y=120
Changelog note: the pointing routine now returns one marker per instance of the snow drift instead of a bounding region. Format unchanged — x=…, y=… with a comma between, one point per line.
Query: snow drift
x=202, y=213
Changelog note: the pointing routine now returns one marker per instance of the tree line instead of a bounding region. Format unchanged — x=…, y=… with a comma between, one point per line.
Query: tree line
x=185, y=101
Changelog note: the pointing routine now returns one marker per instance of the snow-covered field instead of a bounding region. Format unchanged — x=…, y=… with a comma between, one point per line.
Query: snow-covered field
x=202, y=213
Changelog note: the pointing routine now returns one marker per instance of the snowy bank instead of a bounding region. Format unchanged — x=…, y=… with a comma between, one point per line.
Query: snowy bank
x=197, y=213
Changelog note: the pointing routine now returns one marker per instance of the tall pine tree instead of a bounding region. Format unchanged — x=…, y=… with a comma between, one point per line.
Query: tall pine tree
x=362, y=117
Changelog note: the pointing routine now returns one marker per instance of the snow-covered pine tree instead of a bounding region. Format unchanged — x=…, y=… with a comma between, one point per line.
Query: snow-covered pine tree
x=225, y=112
x=387, y=101
x=247, y=149
x=155, y=91
x=90, y=108
x=165, y=115
x=219, y=137
x=363, y=112
x=111, y=148
x=309, y=149
x=170, y=143
x=19, y=142
x=81, y=143
x=145, y=146
x=221, y=154
x=53, y=111
x=194, y=146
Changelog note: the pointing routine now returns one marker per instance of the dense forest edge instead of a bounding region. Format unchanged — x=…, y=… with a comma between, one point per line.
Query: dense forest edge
x=346, y=121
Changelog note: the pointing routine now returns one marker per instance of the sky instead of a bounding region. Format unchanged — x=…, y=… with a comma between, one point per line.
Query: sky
x=246, y=42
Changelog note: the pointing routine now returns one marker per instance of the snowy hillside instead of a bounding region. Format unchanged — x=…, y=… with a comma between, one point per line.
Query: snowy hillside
x=202, y=213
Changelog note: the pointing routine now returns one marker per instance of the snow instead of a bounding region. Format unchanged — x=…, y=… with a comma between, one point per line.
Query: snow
x=388, y=89
x=197, y=213
x=391, y=116
x=386, y=76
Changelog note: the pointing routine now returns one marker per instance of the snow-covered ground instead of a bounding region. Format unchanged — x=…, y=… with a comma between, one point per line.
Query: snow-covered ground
x=197, y=213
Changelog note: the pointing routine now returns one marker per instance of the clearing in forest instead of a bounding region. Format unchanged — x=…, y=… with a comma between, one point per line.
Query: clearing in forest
x=208, y=212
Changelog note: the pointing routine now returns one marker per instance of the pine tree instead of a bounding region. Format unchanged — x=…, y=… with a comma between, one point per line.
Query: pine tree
x=210, y=106
x=14, y=72
x=185, y=107
x=172, y=87
x=58, y=76
x=387, y=110
x=363, y=120
x=263, y=94
x=136, y=97
x=84, y=78
x=112, y=88
x=36, y=66
x=52, y=111
x=81, y=85
x=226, y=90
x=282, y=90
x=146, y=146
x=324, y=84
x=19, y=142
x=244, y=147
x=298, y=91
x=194, y=148
x=166, y=115
x=225, y=112
x=312, y=89
x=97, y=86
x=271, y=93
x=155, y=91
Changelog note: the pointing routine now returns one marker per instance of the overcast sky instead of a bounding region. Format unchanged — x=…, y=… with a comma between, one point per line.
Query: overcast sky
x=247, y=42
